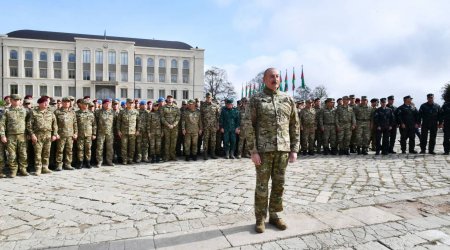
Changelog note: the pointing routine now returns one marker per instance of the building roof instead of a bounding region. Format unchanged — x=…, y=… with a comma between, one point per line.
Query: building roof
x=70, y=37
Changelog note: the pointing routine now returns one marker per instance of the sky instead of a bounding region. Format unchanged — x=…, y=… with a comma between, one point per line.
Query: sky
x=362, y=47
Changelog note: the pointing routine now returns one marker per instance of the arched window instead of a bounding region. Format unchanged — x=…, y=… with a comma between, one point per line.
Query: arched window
x=57, y=57
x=29, y=55
x=185, y=64
x=13, y=55
x=124, y=58
x=72, y=57
x=137, y=61
x=174, y=63
x=43, y=56
x=150, y=62
x=162, y=63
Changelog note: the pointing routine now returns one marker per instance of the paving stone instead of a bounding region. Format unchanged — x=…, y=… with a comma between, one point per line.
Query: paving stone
x=337, y=220
x=209, y=238
x=370, y=215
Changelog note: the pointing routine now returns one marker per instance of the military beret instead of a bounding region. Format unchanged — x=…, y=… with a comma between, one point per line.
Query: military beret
x=383, y=99
x=105, y=101
x=42, y=100
x=79, y=100
x=58, y=101
x=317, y=99
x=352, y=96
x=391, y=97
x=28, y=97
x=407, y=97
x=430, y=95
x=143, y=102
x=94, y=101
x=184, y=102
x=122, y=103
x=129, y=100
x=363, y=97
x=6, y=97
x=161, y=99
x=99, y=101
x=191, y=101
x=169, y=95
x=357, y=100
x=339, y=99
x=374, y=100
x=346, y=97
x=86, y=97
x=149, y=102
x=15, y=97
x=229, y=101
x=208, y=94
x=115, y=101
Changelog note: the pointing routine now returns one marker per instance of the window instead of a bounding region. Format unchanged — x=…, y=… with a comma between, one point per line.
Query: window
x=137, y=61
x=185, y=71
x=13, y=72
x=162, y=63
x=174, y=93
x=150, y=94
x=185, y=94
x=124, y=76
x=162, y=93
x=99, y=75
x=71, y=74
x=58, y=91
x=162, y=70
x=150, y=77
x=86, y=91
x=72, y=57
x=28, y=72
x=43, y=73
x=28, y=89
x=86, y=56
x=137, y=93
x=57, y=74
x=14, y=89
x=112, y=76
x=174, y=71
x=42, y=90
x=138, y=76
x=185, y=64
x=111, y=57
x=29, y=55
x=57, y=57
x=174, y=63
x=86, y=75
x=124, y=58
x=43, y=56
x=123, y=93
x=72, y=91
x=150, y=62
x=99, y=57
x=13, y=55
x=150, y=70
x=173, y=78
x=162, y=78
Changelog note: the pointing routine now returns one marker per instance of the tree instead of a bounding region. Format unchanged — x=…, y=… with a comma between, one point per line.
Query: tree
x=216, y=82
x=302, y=93
x=319, y=92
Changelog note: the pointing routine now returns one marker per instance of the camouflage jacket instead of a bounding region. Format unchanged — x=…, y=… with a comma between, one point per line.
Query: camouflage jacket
x=128, y=122
x=345, y=116
x=86, y=123
x=191, y=121
x=42, y=121
x=13, y=121
x=67, y=122
x=327, y=116
x=116, y=117
x=363, y=113
x=105, y=121
x=170, y=115
x=275, y=122
x=143, y=116
x=210, y=113
x=245, y=120
x=154, y=123
x=308, y=118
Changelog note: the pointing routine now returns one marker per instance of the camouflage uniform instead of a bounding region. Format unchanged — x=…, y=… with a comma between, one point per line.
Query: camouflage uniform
x=128, y=124
x=2, y=153
x=275, y=133
x=191, y=124
x=86, y=130
x=327, y=122
x=345, y=122
x=180, y=138
x=105, y=135
x=210, y=122
x=116, y=144
x=42, y=124
x=67, y=127
x=308, y=128
x=363, y=115
x=170, y=115
x=246, y=123
x=142, y=141
x=318, y=136
x=154, y=129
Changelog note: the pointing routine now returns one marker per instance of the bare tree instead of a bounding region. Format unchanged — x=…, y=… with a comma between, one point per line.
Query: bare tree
x=216, y=82
x=302, y=93
x=319, y=92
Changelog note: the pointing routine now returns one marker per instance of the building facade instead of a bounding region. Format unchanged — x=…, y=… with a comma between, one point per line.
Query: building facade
x=61, y=64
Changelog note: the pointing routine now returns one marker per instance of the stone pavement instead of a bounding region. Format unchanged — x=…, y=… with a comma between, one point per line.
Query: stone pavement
x=338, y=202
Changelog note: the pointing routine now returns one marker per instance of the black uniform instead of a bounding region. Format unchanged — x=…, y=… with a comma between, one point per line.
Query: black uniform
x=429, y=117
x=393, y=131
x=384, y=122
x=408, y=116
x=444, y=117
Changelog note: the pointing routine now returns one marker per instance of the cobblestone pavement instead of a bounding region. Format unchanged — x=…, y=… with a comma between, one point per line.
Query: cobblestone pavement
x=355, y=202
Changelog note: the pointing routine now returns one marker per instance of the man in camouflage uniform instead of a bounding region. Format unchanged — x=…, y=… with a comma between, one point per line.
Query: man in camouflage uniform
x=318, y=135
x=43, y=130
x=87, y=130
x=116, y=146
x=274, y=142
x=308, y=128
x=67, y=131
x=353, y=140
x=210, y=122
x=127, y=125
x=154, y=129
x=229, y=127
x=246, y=123
x=180, y=138
x=327, y=125
x=170, y=117
x=345, y=124
x=104, y=119
x=12, y=132
x=363, y=115
x=191, y=128
x=142, y=141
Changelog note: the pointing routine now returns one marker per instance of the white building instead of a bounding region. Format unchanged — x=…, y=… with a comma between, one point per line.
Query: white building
x=61, y=64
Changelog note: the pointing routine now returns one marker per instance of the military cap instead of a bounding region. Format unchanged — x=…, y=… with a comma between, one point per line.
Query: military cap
x=383, y=99
x=184, y=102
x=308, y=101
x=91, y=104
x=363, y=97
x=191, y=101
x=58, y=101
x=6, y=97
x=115, y=101
x=94, y=101
x=142, y=102
x=71, y=98
x=346, y=97
x=302, y=101
x=374, y=100
x=28, y=97
x=339, y=99
x=208, y=94
x=329, y=100
x=15, y=97
x=149, y=102
x=27, y=101
x=244, y=99
x=317, y=99
x=298, y=101
x=85, y=102
x=86, y=97
x=41, y=100
x=229, y=100
x=407, y=97
x=169, y=95
x=430, y=95
x=105, y=101
x=352, y=97
x=391, y=97
x=129, y=100
x=52, y=101
x=161, y=99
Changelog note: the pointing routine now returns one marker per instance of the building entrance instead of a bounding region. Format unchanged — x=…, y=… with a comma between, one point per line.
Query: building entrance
x=103, y=92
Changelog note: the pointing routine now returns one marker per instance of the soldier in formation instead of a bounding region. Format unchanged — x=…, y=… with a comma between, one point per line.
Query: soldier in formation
x=191, y=128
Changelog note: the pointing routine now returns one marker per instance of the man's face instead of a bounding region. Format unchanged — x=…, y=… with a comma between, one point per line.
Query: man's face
x=430, y=99
x=352, y=100
x=149, y=106
x=383, y=104
x=155, y=107
x=169, y=100
x=391, y=101
x=208, y=99
x=106, y=105
x=308, y=105
x=8, y=101
x=129, y=105
x=14, y=103
x=345, y=102
x=142, y=107
x=191, y=106
x=408, y=101
x=115, y=106
x=65, y=105
x=364, y=102
x=317, y=103
x=229, y=105
x=272, y=79
x=373, y=104
x=43, y=105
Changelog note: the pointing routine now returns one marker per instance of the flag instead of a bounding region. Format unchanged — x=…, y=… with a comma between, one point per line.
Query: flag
x=246, y=90
x=286, y=87
x=293, y=79
x=303, y=79
x=242, y=91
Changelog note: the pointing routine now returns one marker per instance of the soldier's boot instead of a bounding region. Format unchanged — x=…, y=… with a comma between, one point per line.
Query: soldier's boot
x=277, y=221
x=138, y=160
x=347, y=152
x=79, y=165
x=304, y=152
x=38, y=171
x=227, y=155
x=239, y=156
x=333, y=151
x=194, y=157
x=59, y=168
x=145, y=159
x=311, y=152
x=232, y=154
x=2, y=175
x=325, y=151
x=188, y=158
x=68, y=167
x=99, y=164
x=365, y=151
x=358, y=150
x=213, y=153
x=87, y=164
x=205, y=155
x=45, y=170
x=23, y=172
x=153, y=159
x=158, y=159
x=352, y=150
x=260, y=226
x=341, y=152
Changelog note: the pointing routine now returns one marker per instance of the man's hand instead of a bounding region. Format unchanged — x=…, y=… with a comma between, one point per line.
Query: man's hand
x=119, y=134
x=256, y=159
x=54, y=138
x=237, y=131
x=200, y=132
x=379, y=128
x=137, y=133
x=403, y=125
x=33, y=139
x=93, y=137
x=222, y=130
x=4, y=140
x=292, y=157
x=184, y=131
x=75, y=136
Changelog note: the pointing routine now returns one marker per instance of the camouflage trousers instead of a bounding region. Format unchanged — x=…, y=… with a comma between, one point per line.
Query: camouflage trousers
x=17, y=153
x=209, y=139
x=105, y=143
x=64, y=148
x=170, y=138
x=2, y=157
x=128, y=144
x=307, y=138
x=142, y=146
x=243, y=145
x=318, y=138
x=344, y=136
x=84, y=144
x=363, y=134
x=190, y=144
x=329, y=136
x=42, y=149
x=273, y=165
x=155, y=144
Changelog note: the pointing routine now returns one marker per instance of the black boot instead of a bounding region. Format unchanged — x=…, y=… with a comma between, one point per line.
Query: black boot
x=352, y=150
x=365, y=151
x=325, y=151
x=304, y=152
x=158, y=159
x=87, y=164
x=188, y=158
x=153, y=159
x=334, y=151
x=358, y=150
x=79, y=165
x=194, y=157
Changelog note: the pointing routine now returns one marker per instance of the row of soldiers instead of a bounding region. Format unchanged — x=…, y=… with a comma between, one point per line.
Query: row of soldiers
x=354, y=124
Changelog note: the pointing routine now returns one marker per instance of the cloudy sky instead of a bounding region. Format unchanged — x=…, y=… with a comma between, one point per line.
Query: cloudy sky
x=362, y=47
